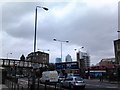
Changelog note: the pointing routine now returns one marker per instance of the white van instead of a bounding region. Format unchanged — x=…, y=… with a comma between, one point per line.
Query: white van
x=49, y=76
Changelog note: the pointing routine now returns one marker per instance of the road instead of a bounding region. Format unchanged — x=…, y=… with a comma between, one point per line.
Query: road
x=97, y=85
x=90, y=85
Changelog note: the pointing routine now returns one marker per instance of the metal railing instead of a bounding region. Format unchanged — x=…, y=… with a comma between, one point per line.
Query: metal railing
x=13, y=84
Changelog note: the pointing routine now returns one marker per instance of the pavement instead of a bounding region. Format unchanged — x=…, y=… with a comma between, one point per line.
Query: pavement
x=3, y=87
x=96, y=83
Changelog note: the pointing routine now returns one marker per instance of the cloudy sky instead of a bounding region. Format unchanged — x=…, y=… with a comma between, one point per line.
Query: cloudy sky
x=92, y=24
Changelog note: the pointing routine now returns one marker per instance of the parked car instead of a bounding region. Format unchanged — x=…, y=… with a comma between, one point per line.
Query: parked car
x=61, y=78
x=73, y=82
x=49, y=76
x=19, y=76
x=72, y=74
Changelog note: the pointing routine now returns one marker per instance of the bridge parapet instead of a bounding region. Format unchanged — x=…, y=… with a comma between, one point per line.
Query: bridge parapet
x=19, y=63
x=12, y=62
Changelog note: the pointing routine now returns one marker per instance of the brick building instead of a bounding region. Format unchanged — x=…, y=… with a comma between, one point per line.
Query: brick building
x=39, y=57
x=108, y=62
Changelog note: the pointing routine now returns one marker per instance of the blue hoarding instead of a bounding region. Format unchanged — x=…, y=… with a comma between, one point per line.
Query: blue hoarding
x=67, y=65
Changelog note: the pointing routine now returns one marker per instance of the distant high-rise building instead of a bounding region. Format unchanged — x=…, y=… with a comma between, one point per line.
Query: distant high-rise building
x=68, y=58
x=84, y=59
x=58, y=60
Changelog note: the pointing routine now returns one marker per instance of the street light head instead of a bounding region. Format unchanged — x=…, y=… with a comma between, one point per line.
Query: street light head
x=67, y=41
x=48, y=50
x=45, y=8
x=54, y=39
x=82, y=47
x=75, y=49
x=42, y=7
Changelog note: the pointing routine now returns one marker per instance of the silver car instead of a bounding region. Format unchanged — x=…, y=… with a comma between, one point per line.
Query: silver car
x=73, y=82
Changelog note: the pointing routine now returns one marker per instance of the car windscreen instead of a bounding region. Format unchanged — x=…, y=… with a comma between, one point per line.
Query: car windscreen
x=68, y=79
x=78, y=78
x=61, y=77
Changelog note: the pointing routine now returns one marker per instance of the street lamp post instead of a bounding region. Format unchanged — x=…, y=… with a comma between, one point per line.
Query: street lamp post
x=75, y=54
x=118, y=34
x=8, y=54
x=80, y=61
x=33, y=74
x=61, y=44
x=36, y=24
x=78, y=50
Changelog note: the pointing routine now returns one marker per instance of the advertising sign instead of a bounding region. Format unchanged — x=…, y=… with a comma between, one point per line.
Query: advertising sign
x=67, y=65
x=60, y=65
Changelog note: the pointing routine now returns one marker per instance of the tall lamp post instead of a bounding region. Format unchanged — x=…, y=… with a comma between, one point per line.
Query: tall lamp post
x=80, y=61
x=61, y=41
x=36, y=24
x=76, y=50
x=33, y=74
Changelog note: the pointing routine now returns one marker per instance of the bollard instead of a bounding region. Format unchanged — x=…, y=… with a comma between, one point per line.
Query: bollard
x=38, y=84
x=31, y=87
x=55, y=86
x=69, y=86
x=17, y=86
x=12, y=85
x=22, y=88
x=28, y=83
x=45, y=84
x=8, y=83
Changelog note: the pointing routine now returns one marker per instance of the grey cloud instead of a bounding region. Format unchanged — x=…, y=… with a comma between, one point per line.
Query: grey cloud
x=89, y=27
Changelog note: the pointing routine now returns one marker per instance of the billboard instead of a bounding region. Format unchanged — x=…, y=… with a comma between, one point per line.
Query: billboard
x=60, y=66
x=67, y=65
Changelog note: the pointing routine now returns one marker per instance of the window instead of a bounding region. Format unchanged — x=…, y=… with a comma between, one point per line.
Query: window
x=68, y=79
x=118, y=46
x=78, y=79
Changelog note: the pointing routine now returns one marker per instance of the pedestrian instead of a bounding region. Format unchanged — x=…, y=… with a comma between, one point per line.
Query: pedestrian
x=101, y=77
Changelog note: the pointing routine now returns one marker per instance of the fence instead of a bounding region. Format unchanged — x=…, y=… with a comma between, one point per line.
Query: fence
x=13, y=84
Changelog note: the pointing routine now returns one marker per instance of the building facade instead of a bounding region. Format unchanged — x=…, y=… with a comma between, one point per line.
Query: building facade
x=117, y=51
x=58, y=60
x=84, y=59
x=107, y=62
x=38, y=57
x=68, y=58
